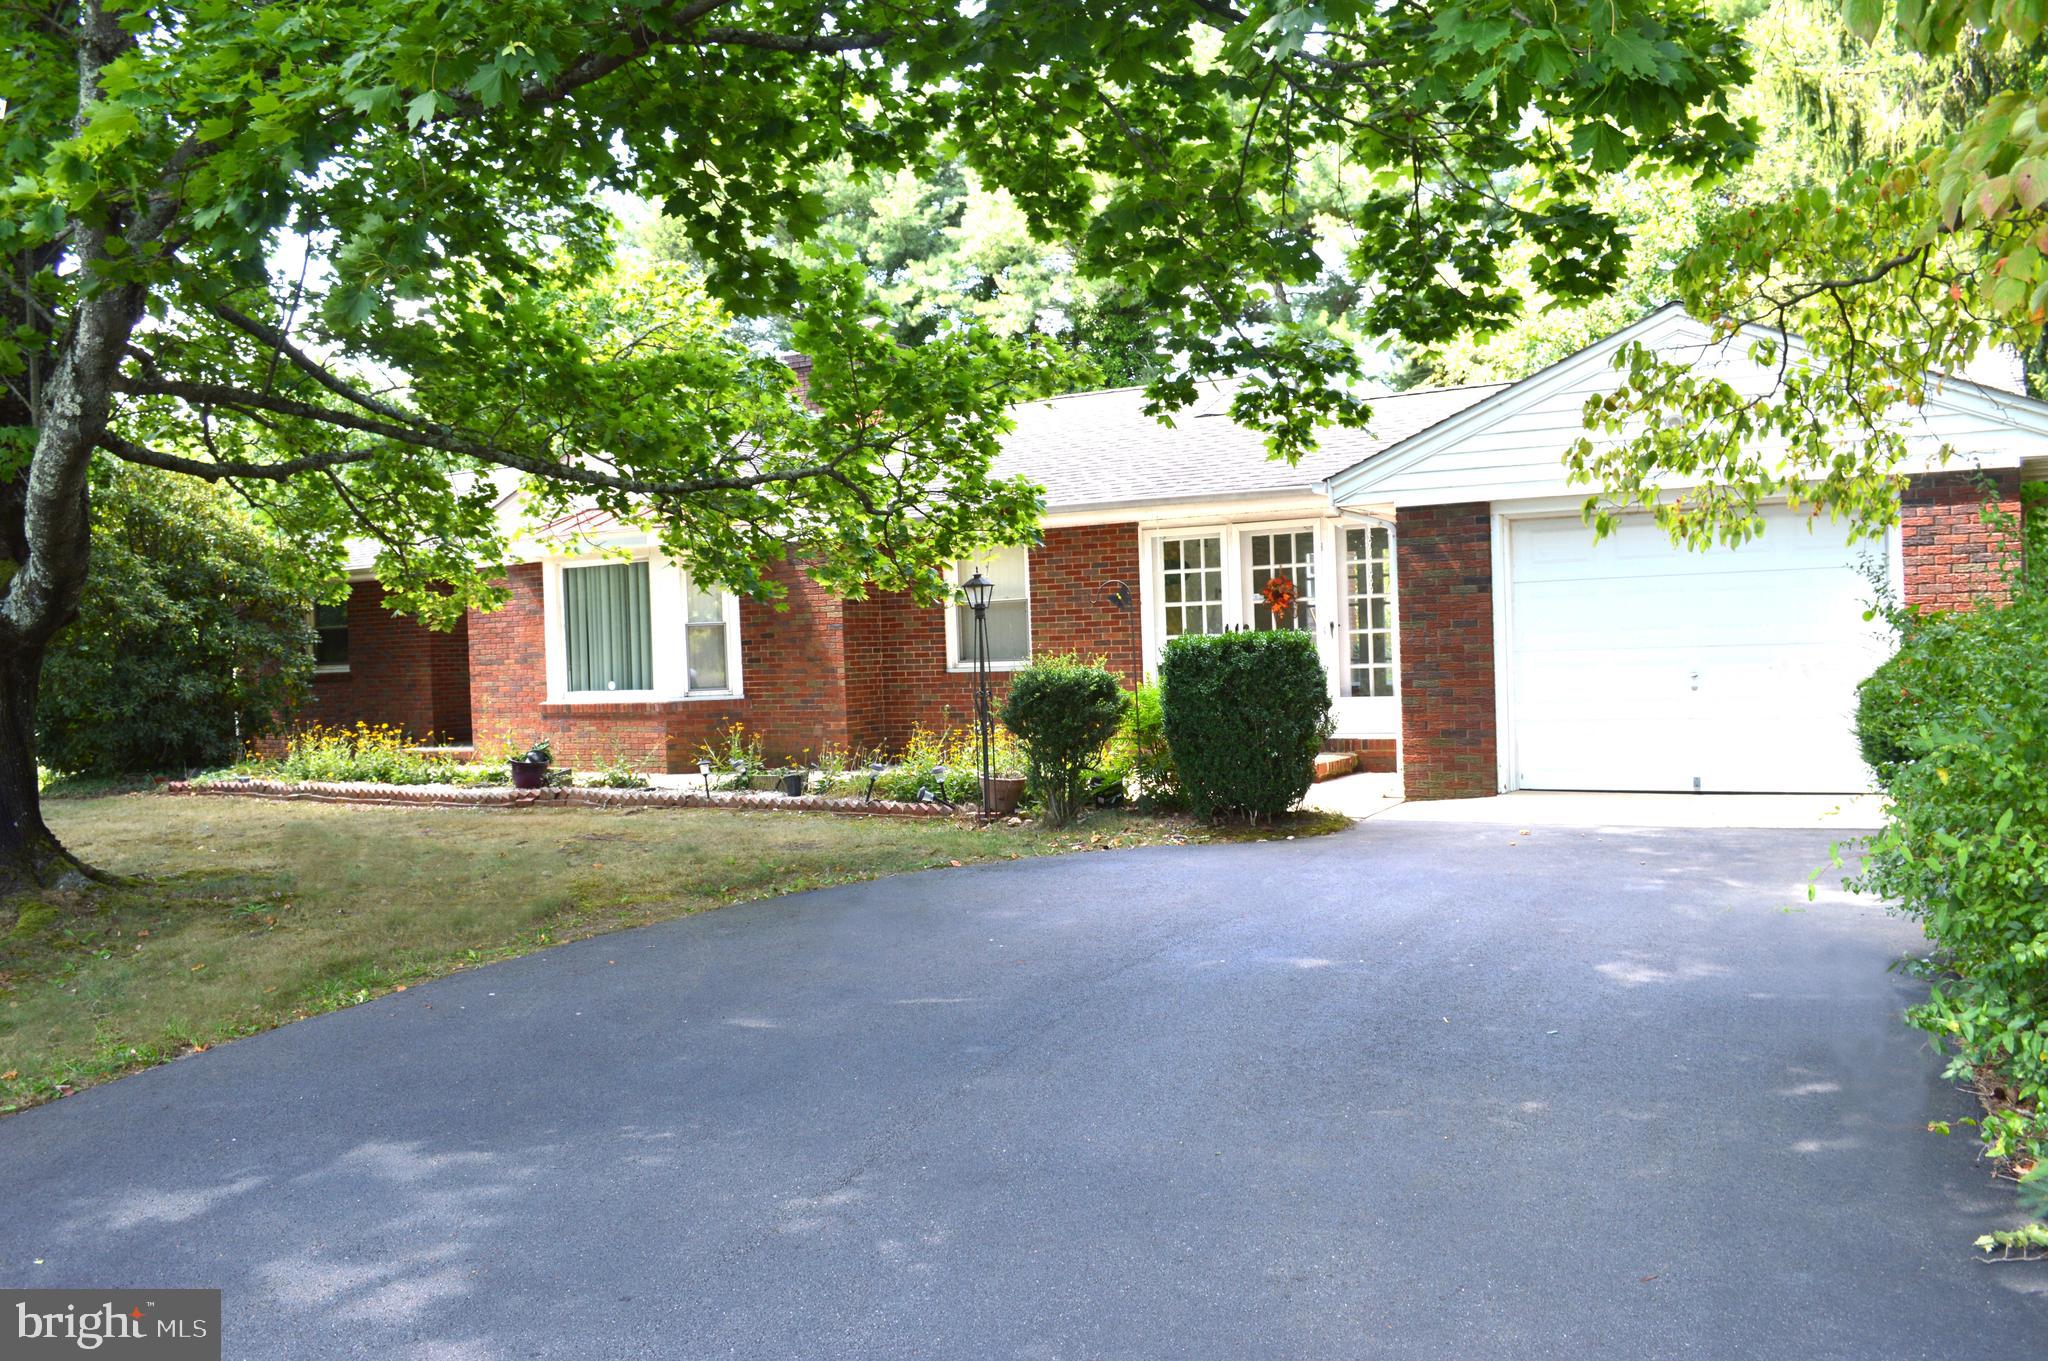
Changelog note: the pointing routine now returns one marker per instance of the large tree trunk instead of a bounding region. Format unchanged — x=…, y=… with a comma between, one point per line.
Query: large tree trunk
x=45, y=530
x=30, y=855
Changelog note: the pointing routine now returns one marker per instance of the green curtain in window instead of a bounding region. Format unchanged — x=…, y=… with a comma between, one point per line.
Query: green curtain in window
x=606, y=622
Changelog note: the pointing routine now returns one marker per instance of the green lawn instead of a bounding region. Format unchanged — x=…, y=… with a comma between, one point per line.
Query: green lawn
x=249, y=914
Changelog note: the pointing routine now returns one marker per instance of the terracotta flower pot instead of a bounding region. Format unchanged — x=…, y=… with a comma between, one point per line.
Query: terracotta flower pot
x=1002, y=793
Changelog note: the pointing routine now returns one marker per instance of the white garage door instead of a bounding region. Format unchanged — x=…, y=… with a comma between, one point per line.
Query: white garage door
x=1636, y=665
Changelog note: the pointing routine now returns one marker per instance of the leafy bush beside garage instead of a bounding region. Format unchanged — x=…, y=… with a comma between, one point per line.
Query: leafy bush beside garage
x=1956, y=725
x=1245, y=715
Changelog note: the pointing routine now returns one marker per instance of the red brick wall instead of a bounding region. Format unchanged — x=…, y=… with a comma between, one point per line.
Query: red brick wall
x=818, y=672
x=1952, y=558
x=1448, y=737
x=792, y=671
x=1377, y=754
x=896, y=652
x=399, y=672
x=508, y=680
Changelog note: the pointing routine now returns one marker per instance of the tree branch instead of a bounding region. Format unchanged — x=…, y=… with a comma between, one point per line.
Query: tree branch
x=671, y=30
x=129, y=451
x=280, y=343
x=425, y=434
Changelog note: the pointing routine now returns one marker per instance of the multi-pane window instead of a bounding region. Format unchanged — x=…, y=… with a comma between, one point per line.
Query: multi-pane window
x=1009, y=609
x=1369, y=610
x=706, y=640
x=607, y=627
x=330, y=652
x=1287, y=556
x=1191, y=585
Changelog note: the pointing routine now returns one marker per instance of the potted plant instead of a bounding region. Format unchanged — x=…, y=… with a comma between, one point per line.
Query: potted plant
x=1002, y=793
x=531, y=770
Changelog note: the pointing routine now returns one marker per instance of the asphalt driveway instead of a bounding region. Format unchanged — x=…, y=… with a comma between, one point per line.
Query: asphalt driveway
x=1409, y=1091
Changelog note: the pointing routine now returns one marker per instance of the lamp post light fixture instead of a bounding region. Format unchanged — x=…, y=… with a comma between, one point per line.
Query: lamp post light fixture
x=979, y=590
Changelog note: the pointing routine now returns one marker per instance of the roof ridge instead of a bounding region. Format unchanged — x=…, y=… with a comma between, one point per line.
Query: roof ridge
x=1218, y=382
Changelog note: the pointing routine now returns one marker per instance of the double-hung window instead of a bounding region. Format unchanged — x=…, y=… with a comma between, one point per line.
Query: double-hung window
x=706, y=638
x=330, y=651
x=1009, y=610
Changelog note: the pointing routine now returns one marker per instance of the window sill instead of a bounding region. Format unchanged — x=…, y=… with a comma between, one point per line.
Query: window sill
x=319, y=671
x=635, y=701
x=968, y=668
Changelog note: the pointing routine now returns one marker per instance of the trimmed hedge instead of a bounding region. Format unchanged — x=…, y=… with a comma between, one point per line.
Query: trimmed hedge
x=1245, y=715
x=1063, y=710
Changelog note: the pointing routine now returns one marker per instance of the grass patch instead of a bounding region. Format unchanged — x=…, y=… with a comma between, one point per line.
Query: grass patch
x=55, y=786
x=1284, y=827
x=249, y=913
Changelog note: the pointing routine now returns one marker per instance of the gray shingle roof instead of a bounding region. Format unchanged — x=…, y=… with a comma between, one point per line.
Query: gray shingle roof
x=1100, y=448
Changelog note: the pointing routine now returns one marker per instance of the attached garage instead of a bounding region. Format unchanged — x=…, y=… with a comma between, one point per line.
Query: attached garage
x=1632, y=664
x=1533, y=656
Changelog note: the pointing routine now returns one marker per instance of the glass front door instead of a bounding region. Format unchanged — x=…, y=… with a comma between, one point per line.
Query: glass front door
x=1281, y=576
x=1191, y=584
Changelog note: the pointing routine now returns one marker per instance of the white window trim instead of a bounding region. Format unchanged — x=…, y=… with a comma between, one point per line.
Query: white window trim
x=313, y=622
x=953, y=664
x=668, y=632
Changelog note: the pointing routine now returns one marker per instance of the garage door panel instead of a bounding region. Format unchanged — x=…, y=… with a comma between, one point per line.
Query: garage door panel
x=1635, y=665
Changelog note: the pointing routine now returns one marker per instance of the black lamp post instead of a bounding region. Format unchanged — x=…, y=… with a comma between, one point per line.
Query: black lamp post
x=978, y=589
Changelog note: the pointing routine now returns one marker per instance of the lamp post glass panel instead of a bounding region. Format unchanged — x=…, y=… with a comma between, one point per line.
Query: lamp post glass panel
x=978, y=589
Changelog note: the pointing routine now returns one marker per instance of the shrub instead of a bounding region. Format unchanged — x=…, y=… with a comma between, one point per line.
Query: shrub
x=192, y=637
x=1063, y=711
x=1924, y=683
x=1244, y=716
x=1965, y=847
x=1139, y=756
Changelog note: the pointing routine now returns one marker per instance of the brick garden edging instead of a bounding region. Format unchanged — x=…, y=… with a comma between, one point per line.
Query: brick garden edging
x=501, y=796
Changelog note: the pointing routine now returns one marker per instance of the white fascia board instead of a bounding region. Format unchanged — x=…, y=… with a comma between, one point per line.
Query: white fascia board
x=1211, y=508
x=1310, y=500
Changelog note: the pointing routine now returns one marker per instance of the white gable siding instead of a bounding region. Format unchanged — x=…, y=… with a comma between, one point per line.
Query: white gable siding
x=1512, y=446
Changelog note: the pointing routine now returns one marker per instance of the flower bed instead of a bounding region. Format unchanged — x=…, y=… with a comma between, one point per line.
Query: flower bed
x=460, y=796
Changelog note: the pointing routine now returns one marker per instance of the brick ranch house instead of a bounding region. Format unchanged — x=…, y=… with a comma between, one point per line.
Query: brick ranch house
x=1477, y=639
